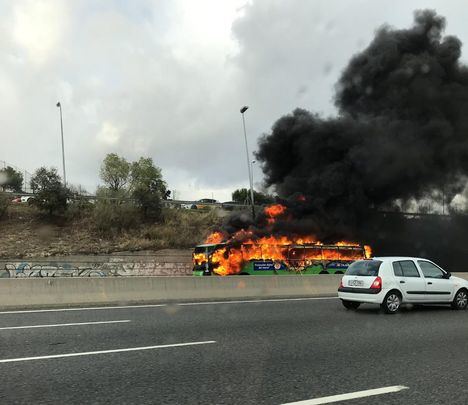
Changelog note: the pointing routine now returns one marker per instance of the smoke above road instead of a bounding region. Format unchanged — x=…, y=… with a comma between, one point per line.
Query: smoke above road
x=401, y=132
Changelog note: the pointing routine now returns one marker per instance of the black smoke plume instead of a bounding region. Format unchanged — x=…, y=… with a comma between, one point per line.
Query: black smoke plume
x=401, y=134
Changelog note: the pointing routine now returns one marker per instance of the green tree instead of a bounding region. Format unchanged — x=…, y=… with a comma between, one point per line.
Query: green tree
x=147, y=187
x=242, y=195
x=115, y=172
x=11, y=180
x=50, y=194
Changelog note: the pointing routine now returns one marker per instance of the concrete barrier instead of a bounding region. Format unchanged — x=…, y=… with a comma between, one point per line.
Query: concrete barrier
x=46, y=292
x=122, y=290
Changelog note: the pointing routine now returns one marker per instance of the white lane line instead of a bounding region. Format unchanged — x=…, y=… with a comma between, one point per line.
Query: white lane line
x=130, y=349
x=57, y=325
x=351, y=395
x=255, y=301
x=31, y=311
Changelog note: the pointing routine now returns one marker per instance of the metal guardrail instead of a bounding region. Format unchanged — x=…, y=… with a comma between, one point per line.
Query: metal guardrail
x=180, y=203
x=164, y=202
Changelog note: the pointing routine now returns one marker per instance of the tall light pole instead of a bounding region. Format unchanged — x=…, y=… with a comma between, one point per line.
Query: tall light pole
x=242, y=111
x=252, y=169
x=63, y=147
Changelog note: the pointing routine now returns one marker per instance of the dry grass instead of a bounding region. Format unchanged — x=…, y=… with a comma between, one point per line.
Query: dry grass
x=24, y=232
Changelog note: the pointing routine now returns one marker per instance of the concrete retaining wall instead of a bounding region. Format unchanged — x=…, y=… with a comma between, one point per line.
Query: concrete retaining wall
x=123, y=290
x=163, y=263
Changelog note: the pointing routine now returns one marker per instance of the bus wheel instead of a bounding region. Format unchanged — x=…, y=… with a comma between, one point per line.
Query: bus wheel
x=323, y=272
x=339, y=272
x=244, y=274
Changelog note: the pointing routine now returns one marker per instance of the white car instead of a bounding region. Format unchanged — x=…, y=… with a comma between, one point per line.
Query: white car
x=393, y=281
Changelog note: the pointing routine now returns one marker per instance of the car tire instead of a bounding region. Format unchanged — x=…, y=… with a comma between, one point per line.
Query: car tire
x=460, y=301
x=391, y=303
x=350, y=304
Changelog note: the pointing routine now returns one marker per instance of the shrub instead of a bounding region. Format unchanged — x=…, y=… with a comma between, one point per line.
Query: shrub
x=114, y=216
x=50, y=194
x=78, y=208
x=4, y=203
x=181, y=228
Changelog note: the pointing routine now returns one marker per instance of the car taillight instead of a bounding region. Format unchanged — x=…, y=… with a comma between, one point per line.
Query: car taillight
x=377, y=284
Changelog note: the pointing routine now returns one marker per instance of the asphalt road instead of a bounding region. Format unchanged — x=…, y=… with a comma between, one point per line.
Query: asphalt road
x=272, y=352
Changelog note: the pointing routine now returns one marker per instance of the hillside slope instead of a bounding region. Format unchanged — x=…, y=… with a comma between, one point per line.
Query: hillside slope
x=25, y=233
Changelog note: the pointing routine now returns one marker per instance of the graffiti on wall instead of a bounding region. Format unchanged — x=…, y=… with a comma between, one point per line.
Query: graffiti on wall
x=28, y=269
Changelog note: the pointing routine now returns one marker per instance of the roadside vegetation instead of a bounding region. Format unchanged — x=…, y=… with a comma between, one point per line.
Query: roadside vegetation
x=127, y=214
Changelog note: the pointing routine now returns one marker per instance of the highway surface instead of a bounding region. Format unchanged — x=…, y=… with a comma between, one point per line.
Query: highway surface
x=269, y=352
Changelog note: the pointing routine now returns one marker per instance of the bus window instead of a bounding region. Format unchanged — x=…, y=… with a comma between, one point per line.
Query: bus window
x=351, y=252
x=330, y=253
x=313, y=253
x=251, y=252
x=296, y=255
x=274, y=252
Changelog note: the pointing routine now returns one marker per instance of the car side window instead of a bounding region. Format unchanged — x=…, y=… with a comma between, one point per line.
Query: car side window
x=408, y=268
x=397, y=270
x=430, y=270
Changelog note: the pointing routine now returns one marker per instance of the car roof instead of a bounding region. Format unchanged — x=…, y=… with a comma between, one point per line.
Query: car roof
x=393, y=258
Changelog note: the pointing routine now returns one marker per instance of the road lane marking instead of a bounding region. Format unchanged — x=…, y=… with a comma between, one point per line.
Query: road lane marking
x=130, y=349
x=351, y=395
x=32, y=311
x=255, y=301
x=57, y=325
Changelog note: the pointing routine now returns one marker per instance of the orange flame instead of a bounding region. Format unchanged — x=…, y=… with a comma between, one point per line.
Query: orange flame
x=243, y=247
x=230, y=259
x=274, y=211
x=368, y=251
x=215, y=237
x=198, y=258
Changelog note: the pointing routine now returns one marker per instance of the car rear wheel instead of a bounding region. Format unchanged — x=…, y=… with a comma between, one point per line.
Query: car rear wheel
x=461, y=300
x=392, y=302
x=350, y=304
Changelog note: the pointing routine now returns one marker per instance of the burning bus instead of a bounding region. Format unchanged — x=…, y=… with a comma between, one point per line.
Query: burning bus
x=275, y=259
x=250, y=252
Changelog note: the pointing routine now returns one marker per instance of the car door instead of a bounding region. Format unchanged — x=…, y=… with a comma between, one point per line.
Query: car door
x=409, y=280
x=439, y=288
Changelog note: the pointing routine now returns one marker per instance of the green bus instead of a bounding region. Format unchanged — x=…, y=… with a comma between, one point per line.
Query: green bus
x=247, y=259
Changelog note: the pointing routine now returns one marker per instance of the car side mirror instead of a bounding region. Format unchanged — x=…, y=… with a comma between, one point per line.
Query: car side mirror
x=447, y=275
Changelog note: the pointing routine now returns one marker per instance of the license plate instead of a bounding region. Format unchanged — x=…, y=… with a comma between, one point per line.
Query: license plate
x=355, y=283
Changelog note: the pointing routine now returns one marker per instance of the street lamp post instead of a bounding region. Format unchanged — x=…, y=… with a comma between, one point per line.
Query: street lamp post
x=252, y=170
x=63, y=147
x=242, y=111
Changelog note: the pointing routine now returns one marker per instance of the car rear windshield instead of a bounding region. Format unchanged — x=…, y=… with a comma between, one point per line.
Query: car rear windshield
x=364, y=268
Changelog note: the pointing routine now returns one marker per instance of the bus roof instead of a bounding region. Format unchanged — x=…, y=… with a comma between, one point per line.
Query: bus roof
x=310, y=245
x=211, y=244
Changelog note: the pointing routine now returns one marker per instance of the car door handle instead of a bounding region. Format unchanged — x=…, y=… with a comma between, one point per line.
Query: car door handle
x=429, y=282
x=402, y=282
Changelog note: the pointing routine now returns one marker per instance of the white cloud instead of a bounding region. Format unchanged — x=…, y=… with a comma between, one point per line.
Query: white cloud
x=108, y=134
x=166, y=79
x=38, y=26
